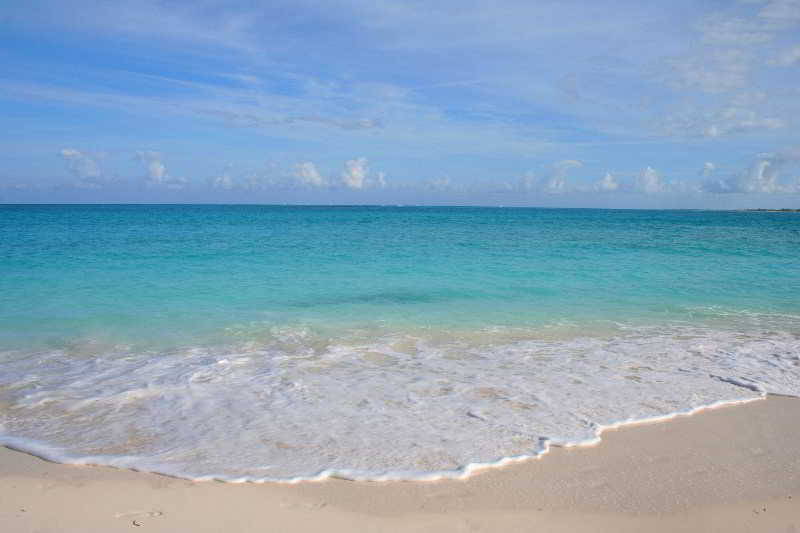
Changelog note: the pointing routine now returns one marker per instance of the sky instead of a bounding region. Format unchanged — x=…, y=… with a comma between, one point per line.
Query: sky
x=626, y=104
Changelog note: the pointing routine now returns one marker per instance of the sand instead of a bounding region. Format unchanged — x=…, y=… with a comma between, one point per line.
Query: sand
x=730, y=469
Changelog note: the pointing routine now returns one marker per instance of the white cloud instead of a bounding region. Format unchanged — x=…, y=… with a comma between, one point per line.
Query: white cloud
x=156, y=173
x=355, y=174
x=721, y=80
x=83, y=167
x=787, y=57
x=732, y=42
x=438, y=109
x=440, y=184
x=742, y=113
x=380, y=181
x=781, y=13
x=608, y=184
x=254, y=119
x=733, y=31
x=224, y=181
x=713, y=72
x=557, y=182
x=708, y=169
x=649, y=182
x=736, y=120
x=528, y=182
x=764, y=176
x=306, y=173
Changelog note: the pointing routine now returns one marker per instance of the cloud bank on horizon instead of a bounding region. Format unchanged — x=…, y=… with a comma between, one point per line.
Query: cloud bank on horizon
x=573, y=103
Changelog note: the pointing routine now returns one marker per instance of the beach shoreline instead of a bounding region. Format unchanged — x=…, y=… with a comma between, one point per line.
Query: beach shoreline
x=730, y=468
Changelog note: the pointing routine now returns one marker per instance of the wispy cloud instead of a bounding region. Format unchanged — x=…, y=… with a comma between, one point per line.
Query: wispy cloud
x=199, y=23
x=786, y=58
x=251, y=120
x=483, y=95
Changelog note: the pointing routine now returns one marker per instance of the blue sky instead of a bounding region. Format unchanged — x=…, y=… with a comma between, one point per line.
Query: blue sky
x=592, y=103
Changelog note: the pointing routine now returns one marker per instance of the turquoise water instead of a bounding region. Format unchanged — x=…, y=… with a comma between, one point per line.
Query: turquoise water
x=176, y=273
x=108, y=314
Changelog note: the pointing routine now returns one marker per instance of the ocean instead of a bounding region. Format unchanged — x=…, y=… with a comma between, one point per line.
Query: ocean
x=280, y=343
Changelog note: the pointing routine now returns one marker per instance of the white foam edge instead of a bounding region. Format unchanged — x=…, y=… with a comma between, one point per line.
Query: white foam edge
x=56, y=455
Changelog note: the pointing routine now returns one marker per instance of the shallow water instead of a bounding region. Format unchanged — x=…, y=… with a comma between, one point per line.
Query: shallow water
x=250, y=342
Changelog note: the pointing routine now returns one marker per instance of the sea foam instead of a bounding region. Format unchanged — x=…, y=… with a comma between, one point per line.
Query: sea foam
x=376, y=405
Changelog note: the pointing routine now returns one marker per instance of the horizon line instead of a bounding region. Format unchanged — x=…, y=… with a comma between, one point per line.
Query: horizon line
x=473, y=206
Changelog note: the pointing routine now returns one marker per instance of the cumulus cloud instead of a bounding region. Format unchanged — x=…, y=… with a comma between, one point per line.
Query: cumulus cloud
x=83, y=167
x=306, y=173
x=649, y=182
x=608, y=184
x=355, y=174
x=557, y=181
x=156, y=173
x=224, y=181
x=764, y=176
x=554, y=182
x=708, y=169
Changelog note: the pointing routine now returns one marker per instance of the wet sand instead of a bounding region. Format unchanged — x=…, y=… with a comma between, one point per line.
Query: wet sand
x=730, y=469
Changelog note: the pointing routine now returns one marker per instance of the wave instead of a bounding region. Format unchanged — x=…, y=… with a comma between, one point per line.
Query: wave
x=404, y=404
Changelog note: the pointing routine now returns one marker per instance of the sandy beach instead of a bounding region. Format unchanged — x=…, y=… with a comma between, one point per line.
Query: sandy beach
x=728, y=469
x=400, y=266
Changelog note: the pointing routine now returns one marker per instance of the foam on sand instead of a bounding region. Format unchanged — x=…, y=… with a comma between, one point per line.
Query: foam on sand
x=394, y=405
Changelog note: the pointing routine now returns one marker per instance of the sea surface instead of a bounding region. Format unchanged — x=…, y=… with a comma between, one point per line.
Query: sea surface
x=288, y=343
